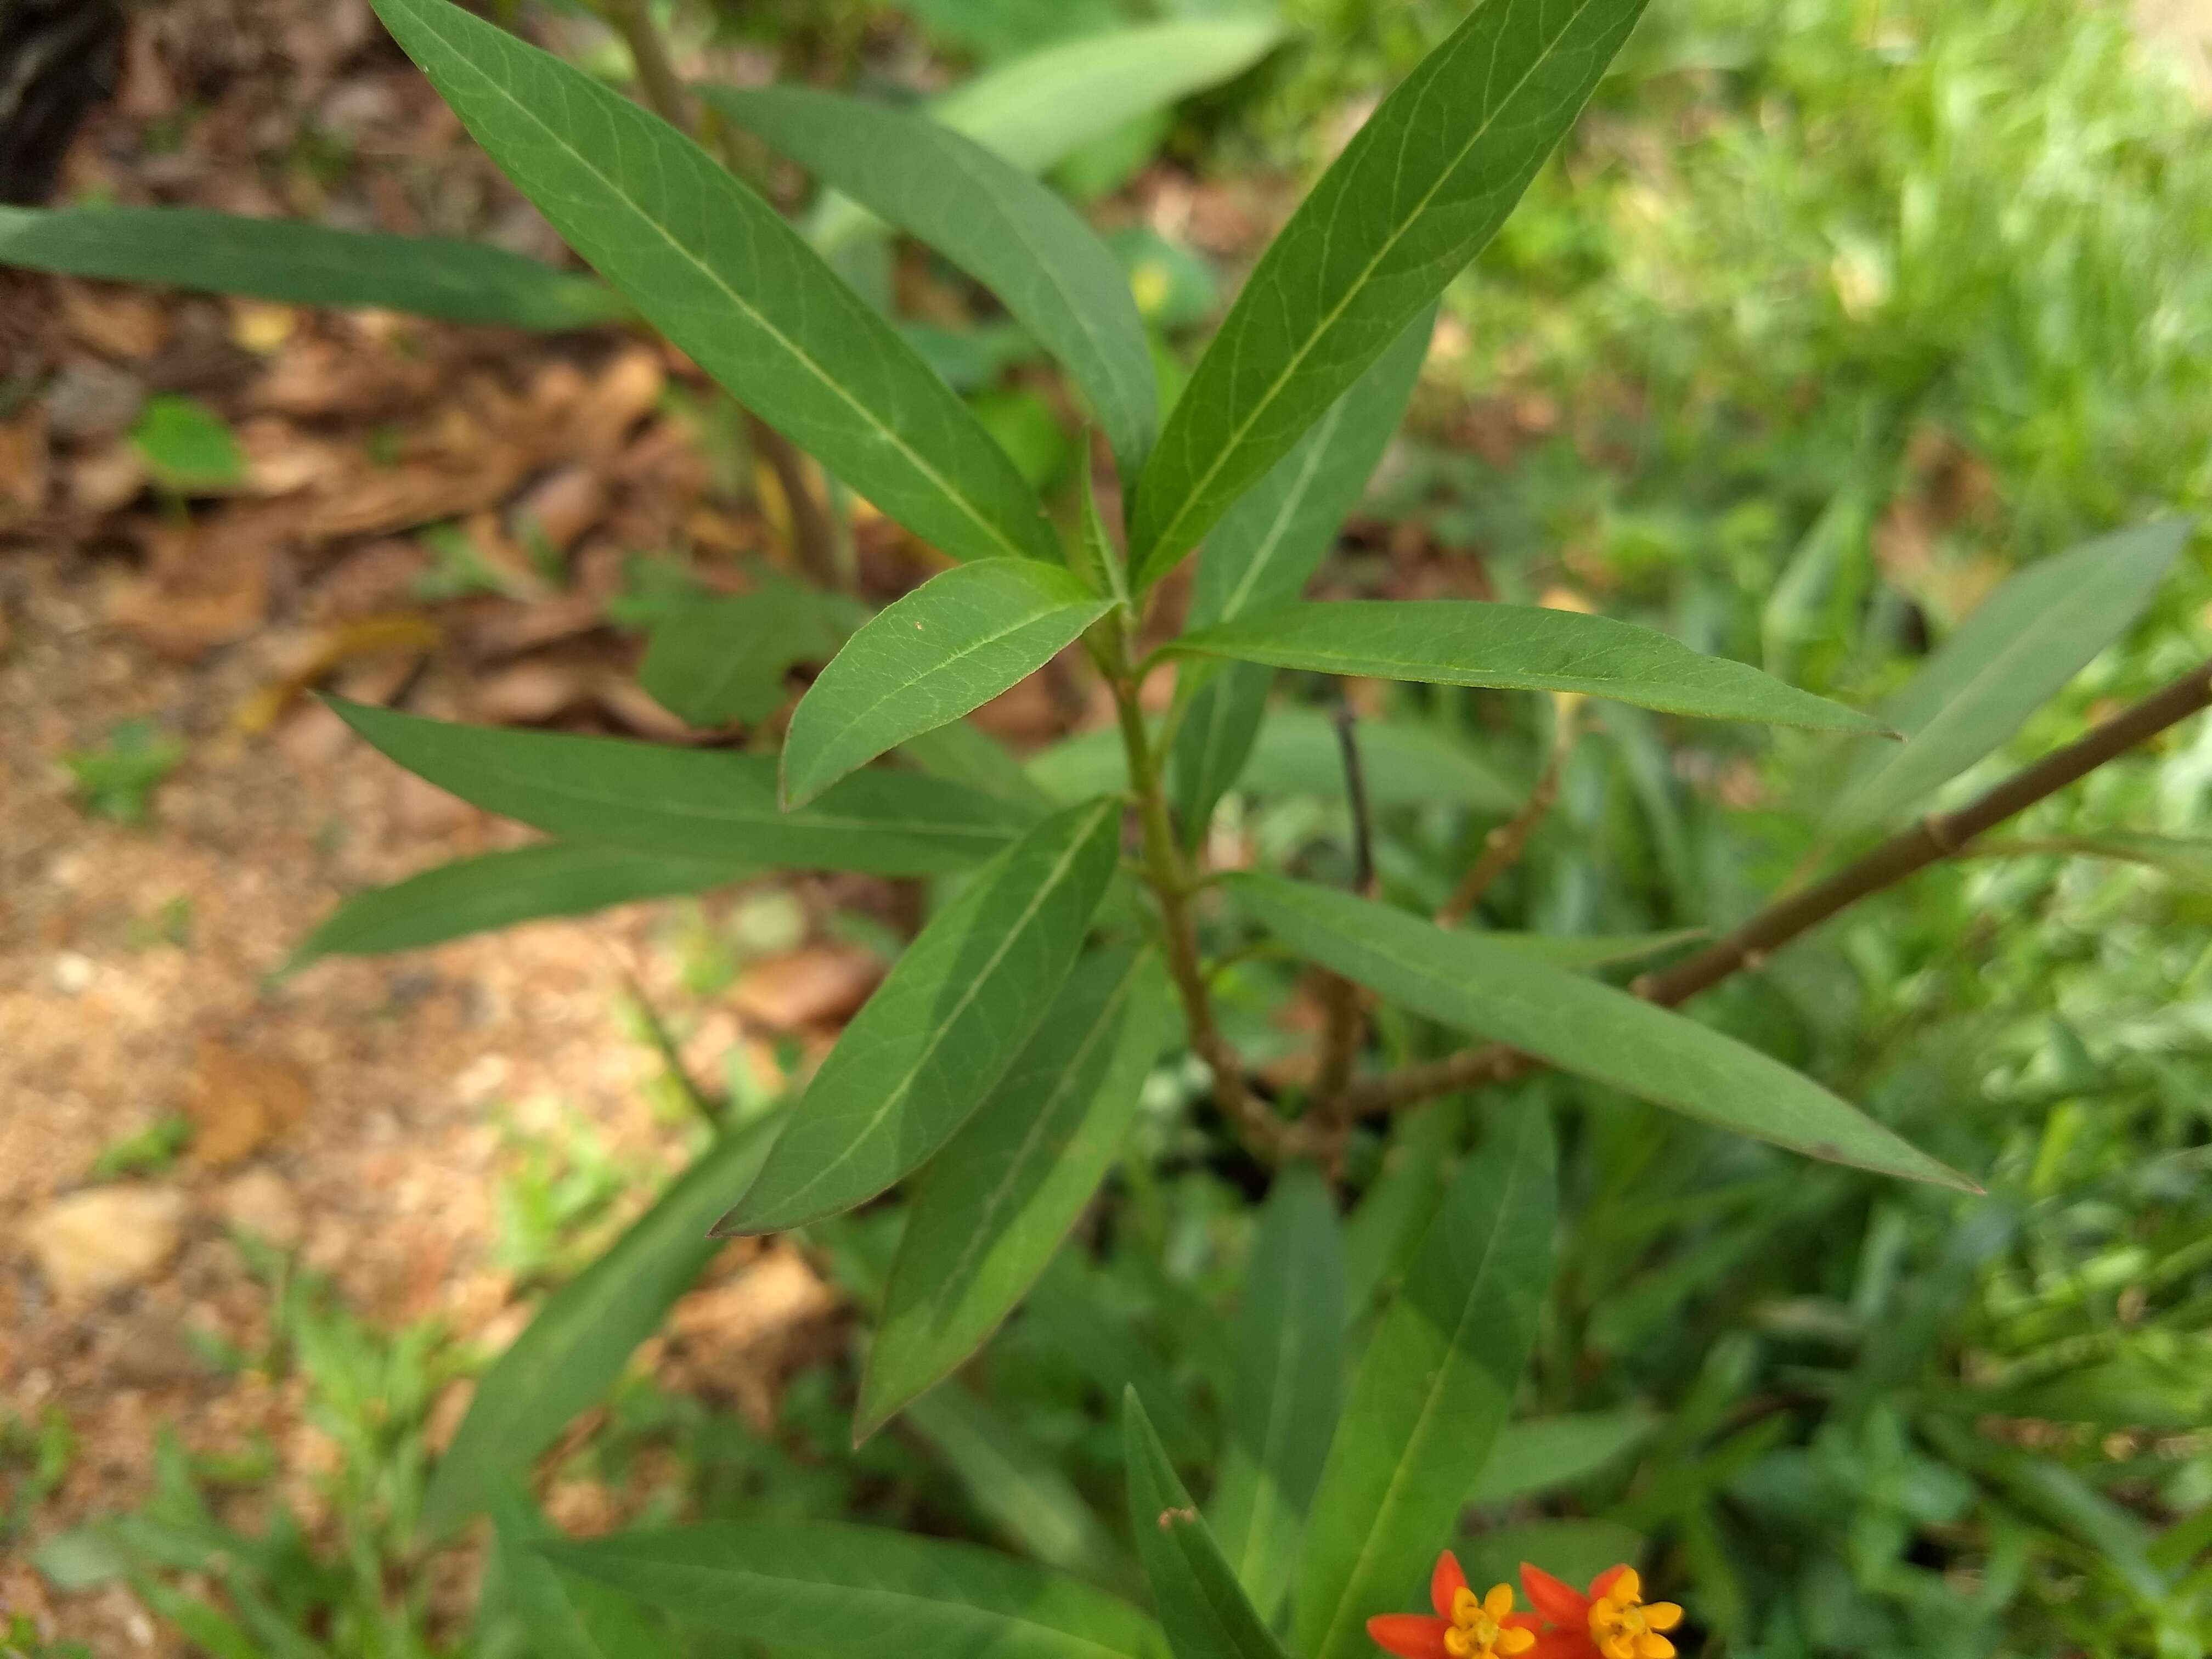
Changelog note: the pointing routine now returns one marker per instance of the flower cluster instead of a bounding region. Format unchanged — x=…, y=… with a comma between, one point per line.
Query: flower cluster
x=1613, y=1621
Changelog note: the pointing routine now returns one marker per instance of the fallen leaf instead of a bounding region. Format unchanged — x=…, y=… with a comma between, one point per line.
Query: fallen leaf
x=241, y=1102
x=812, y=986
x=24, y=469
x=406, y=636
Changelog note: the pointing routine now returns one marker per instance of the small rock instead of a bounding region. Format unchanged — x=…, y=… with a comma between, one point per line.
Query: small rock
x=91, y=1242
x=260, y=1202
x=90, y=400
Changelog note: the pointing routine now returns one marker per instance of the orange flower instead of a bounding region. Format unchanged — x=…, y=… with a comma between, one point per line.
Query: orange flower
x=1613, y=1621
x=1466, y=1626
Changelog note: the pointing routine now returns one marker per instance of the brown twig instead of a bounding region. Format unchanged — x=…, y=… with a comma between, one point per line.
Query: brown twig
x=1502, y=847
x=1930, y=840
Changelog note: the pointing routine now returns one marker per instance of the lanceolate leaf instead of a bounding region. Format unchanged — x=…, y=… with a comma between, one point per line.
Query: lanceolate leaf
x=576, y=1347
x=303, y=264
x=1017, y=1484
x=994, y=1206
x=1205, y=1612
x=473, y=896
x=1290, y=1363
x=1039, y=109
x=846, y=1591
x=717, y=271
x=2013, y=655
x=1427, y=181
x=1546, y=1452
x=963, y=753
x=1431, y=1393
x=1262, y=552
x=1578, y=1025
x=1515, y=648
x=918, y=1060
x=993, y=220
x=952, y=645
x=565, y=1617
x=701, y=803
x=1298, y=753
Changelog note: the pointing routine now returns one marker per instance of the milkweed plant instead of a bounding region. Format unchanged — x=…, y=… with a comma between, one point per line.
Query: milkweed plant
x=1080, y=936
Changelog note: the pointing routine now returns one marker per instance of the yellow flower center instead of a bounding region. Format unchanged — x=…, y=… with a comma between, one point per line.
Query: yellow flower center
x=1478, y=1631
x=1625, y=1626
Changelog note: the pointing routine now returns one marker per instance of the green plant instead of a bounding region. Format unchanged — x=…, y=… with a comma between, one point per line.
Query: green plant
x=1012, y=1055
x=117, y=780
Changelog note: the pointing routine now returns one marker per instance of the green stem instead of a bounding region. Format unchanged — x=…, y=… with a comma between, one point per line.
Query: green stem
x=1171, y=887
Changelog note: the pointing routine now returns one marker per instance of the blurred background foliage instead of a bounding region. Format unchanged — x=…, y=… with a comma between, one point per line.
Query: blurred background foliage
x=1832, y=314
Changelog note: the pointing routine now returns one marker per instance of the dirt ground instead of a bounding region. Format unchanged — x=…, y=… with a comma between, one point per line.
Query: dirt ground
x=352, y=1114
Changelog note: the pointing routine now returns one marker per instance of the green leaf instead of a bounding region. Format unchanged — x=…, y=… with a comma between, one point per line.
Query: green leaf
x=1432, y=1393
x=1290, y=1366
x=573, y=1351
x=1517, y=647
x=187, y=446
x=1072, y=1308
x=952, y=645
x=701, y=803
x=713, y=661
x=963, y=753
x=838, y=1591
x=1205, y=1613
x=1578, y=1025
x=1408, y=764
x=1594, y=950
x=918, y=1058
x=1546, y=1452
x=719, y=272
x=565, y=1617
x=2186, y=860
x=1265, y=549
x=302, y=265
x=1039, y=109
x=497, y=889
x=995, y=1204
x=1014, y=1484
x=990, y=218
x=1393, y=1216
x=2005, y=661
x=1426, y=182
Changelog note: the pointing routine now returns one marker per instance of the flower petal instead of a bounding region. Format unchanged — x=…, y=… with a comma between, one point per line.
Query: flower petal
x=1619, y=1646
x=1516, y=1640
x=1652, y=1645
x=1409, y=1635
x=1445, y=1581
x=1662, y=1615
x=1499, y=1601
x=1620, y=1583
x=1557, y=1600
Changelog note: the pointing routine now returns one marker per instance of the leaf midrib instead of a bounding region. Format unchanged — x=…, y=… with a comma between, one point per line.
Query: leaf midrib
x=768, y=814
x=1192, y=495
x=974, y=988
x=887, y=434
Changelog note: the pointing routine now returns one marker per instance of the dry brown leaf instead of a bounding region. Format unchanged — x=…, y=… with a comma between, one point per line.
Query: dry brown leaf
x=100, y=1240
x=207, y=581
x=816, y=985
x=24, y=471
x=239, y=1101
x=124, y=324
